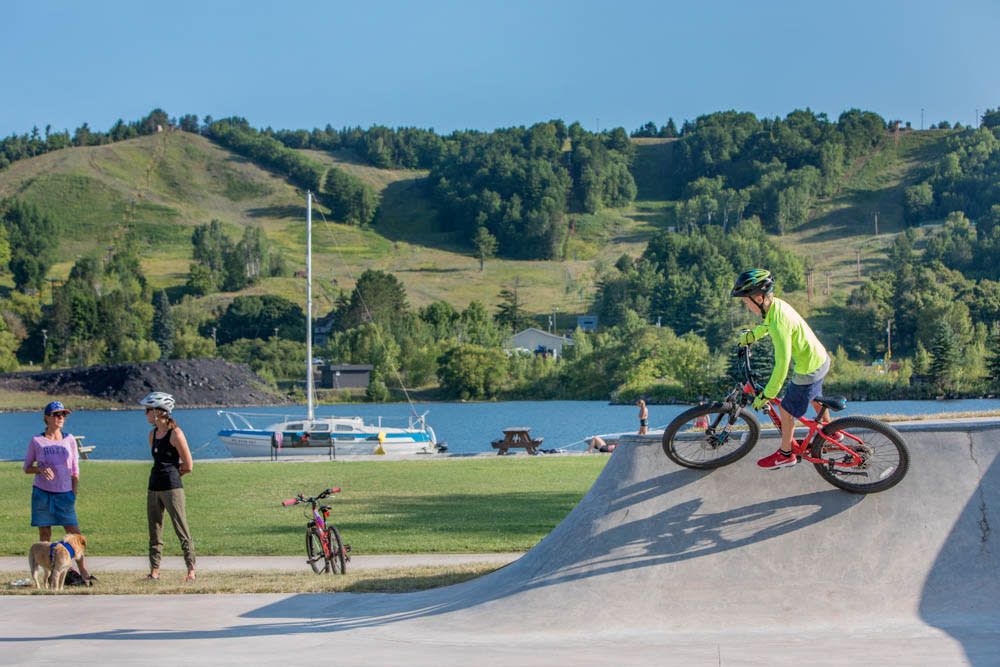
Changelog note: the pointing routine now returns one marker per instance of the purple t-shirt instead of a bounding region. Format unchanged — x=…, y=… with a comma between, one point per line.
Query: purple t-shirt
x=60, y=455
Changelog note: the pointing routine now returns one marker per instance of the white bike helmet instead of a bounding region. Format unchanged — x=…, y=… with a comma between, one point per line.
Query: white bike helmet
x=160, y=400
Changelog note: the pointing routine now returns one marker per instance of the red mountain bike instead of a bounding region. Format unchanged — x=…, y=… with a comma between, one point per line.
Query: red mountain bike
x=857, y=454
x=324, y=550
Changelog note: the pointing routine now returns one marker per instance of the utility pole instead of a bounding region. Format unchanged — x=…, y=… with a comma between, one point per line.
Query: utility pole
x=876, y=223
x=921, y=118
x=888, y=334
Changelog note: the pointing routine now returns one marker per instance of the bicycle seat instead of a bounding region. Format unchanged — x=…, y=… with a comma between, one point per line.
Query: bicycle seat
x=835, y=403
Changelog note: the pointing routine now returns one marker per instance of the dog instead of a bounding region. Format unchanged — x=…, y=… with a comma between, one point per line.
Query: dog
x=53, y=559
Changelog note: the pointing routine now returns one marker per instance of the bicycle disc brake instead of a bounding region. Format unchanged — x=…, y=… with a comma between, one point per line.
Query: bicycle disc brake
x=863, y=450
x=717, y=438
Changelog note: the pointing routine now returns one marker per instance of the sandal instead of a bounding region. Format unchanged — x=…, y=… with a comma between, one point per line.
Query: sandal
x=150, y=577
x=190, y=577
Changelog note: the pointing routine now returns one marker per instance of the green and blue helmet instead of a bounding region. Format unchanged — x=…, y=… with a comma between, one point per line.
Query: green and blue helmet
x=754, y=281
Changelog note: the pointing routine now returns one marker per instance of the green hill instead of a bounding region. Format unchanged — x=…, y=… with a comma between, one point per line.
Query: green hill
x=165, y=184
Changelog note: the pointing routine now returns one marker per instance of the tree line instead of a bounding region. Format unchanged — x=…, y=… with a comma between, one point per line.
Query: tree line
x=682, y=279
x=732, y=164
x=938, y=307
x=964, y=179
x=19, y=147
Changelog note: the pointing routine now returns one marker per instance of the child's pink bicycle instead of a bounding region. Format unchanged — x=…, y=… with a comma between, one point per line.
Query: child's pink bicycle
x=857, y=454
x=324, y=550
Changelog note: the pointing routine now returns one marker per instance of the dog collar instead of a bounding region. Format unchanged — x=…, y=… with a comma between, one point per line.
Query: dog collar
x=69, y=548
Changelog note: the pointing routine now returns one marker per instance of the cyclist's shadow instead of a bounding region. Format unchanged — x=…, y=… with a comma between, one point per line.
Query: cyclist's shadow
x=685, y=531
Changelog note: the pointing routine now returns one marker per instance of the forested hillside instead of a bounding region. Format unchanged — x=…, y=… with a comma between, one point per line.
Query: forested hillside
x=175, y=239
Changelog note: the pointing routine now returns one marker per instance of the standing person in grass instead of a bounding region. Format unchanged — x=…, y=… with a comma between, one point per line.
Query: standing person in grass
x=55, y=462
x=793, y=341
x=171, y=460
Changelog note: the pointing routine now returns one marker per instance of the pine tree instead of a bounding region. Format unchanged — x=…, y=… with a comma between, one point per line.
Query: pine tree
x=486, y=246
x=163, y=326
x=921, y=359
x=993, y=357
x=510, y=315
x=944, y=359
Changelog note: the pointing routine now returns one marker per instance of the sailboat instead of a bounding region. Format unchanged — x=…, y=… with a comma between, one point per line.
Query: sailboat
x=341, y=436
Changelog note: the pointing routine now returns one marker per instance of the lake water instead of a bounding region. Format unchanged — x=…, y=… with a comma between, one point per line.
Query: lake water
x=466, y=427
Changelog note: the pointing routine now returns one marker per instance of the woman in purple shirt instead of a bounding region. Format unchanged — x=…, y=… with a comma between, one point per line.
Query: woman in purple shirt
x=53, y=459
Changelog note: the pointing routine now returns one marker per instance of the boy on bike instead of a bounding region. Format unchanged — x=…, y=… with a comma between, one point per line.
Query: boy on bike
x=793, y=341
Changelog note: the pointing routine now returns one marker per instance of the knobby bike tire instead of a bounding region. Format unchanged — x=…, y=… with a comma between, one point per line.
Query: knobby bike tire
x=338, y=564
x=314, y=551
x=715, y=447
x=886, y=458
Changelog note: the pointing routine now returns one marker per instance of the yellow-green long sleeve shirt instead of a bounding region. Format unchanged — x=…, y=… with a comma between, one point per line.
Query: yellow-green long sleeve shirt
x=793, y=341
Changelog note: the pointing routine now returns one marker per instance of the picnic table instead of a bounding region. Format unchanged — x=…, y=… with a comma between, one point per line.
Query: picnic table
x=517, y=436
x=81, y=449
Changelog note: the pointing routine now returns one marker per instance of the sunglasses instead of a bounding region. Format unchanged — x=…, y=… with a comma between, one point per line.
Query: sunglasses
x=63, y=415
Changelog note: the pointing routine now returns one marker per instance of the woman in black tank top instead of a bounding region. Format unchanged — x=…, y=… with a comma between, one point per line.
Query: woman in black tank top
x=165, y=474
x=171, y=460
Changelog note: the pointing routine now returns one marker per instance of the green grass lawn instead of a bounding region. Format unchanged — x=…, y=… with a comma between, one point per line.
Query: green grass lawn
x=389, y=580
x=477, y=505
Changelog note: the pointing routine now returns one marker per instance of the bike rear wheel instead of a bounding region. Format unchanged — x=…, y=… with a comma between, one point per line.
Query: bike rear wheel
x=338, y=564
x=885, y=458
x=711, y=435
x=314, y=551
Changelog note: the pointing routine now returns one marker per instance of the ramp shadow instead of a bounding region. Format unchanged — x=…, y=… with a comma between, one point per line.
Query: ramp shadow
x=683, y=532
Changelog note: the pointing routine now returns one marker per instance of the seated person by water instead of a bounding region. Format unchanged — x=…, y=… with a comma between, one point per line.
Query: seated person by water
x=598, y=444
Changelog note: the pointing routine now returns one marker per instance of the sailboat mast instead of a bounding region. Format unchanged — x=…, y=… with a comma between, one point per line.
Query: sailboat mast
x=309, y=308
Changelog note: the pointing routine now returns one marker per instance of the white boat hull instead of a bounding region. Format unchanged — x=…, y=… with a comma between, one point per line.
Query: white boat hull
x=346, y=436
x=258, y=443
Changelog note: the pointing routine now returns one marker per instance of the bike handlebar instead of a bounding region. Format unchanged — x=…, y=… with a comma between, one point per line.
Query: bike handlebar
x=302, y=499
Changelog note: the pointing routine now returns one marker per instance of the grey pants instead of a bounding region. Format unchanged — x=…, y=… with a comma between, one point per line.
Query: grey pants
x=173, y=502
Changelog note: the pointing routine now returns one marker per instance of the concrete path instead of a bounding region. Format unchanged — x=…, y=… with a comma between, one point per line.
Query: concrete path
x=656, y=565
x=97, y=564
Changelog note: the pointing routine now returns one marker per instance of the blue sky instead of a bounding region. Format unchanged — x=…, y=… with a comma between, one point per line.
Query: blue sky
x=457, y=65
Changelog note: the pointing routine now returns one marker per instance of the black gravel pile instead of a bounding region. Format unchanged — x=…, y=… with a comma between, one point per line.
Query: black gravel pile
x=193, y=383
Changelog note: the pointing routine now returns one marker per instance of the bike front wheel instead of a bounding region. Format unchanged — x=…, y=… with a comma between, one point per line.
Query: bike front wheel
x=338, y=564
x=711, y=435
x=314, y=551
x=884, y=457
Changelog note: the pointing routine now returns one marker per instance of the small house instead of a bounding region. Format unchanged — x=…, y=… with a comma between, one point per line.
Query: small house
x=539, y=342
x=322, y=328
x=345, y=376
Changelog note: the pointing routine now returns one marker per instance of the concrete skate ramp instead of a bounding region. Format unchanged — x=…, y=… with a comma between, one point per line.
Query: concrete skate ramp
x=656, y=565
x=658, y=548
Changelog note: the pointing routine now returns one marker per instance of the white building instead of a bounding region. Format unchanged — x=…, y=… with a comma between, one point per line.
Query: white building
x=540, y=342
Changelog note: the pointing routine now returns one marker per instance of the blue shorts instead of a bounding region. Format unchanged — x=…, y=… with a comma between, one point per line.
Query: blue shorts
x=52, y=509
x=797, y=397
